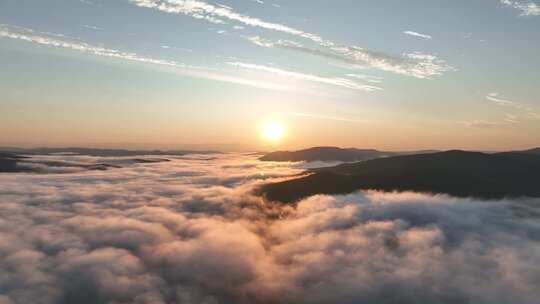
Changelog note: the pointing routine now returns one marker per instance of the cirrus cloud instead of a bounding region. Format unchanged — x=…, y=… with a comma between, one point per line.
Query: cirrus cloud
x=414, y=64
x=527, y=7
x=416, y=34
x=341, y=82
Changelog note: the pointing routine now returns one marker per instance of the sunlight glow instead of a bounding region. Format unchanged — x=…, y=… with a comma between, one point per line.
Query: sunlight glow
x=272, y=131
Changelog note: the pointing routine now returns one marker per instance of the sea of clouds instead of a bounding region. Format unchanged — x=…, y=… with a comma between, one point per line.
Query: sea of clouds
x=191, y=231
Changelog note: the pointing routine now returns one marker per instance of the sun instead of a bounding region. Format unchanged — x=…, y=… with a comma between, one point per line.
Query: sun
x=272, y=131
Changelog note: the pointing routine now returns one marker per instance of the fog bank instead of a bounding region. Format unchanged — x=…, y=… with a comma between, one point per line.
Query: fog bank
x=190, y=231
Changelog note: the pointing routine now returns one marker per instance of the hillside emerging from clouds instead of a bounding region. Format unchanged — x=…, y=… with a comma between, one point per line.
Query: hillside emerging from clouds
x=325, y=154
x=332, y=154
x=458, y=173
x=49, y=160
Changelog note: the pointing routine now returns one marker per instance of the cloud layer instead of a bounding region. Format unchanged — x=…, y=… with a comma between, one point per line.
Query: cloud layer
x=189, y=231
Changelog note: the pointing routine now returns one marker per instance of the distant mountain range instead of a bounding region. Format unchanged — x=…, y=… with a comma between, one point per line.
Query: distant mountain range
x=532, y=151
x=458, y=173
x=324, y=154
x=8, y=162
x=346, y=154
x=331, y=154
x=22, y=160
x=98, y=152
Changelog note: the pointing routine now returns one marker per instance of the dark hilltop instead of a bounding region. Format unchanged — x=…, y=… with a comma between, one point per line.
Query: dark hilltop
x=457, y=173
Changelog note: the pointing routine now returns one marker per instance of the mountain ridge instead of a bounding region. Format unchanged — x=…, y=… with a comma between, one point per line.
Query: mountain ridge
x=325, y=153
x=455, y=172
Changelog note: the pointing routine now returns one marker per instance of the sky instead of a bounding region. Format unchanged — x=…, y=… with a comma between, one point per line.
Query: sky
x=394, y=75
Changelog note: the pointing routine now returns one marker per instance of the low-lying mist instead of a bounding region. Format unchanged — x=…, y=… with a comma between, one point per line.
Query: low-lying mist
x=191, y=231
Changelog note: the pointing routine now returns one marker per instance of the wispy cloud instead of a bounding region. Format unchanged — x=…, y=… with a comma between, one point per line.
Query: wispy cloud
x=415, y=64
x=498, y=100
x=412, y=64
x=495, y=97
x=323, y=117
x=58, y=41
x=510, y=118
x=281, y=43
x=48, y=40
x=202, y=10
x=341, y=82
x=482, y=124
x=504, y=102
x=534, y=115
x=416, y=34
x=229, y=76
x=168, y=47
x=518, y=113
x=527, y=8
x=261, y=41
x=368, y=78
x=92, y=27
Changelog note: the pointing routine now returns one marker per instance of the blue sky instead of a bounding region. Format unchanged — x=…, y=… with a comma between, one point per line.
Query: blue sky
x=383, y=74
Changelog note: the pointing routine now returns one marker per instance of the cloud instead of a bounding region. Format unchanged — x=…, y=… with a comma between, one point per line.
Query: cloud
x=324, y=117
x=527, y=8
x=60, y=41
x=43, y=39
x=367, y=78
x=482, y=124
x=92, y=27
x=534, y=115
x=510, y=118
x=158, y=233
x=414, y=64
x=499, y=101
x=416, y=34
x=340, y=82
x=261, y=41
x=168, y=47
x=202, y=10
x=526, y=110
